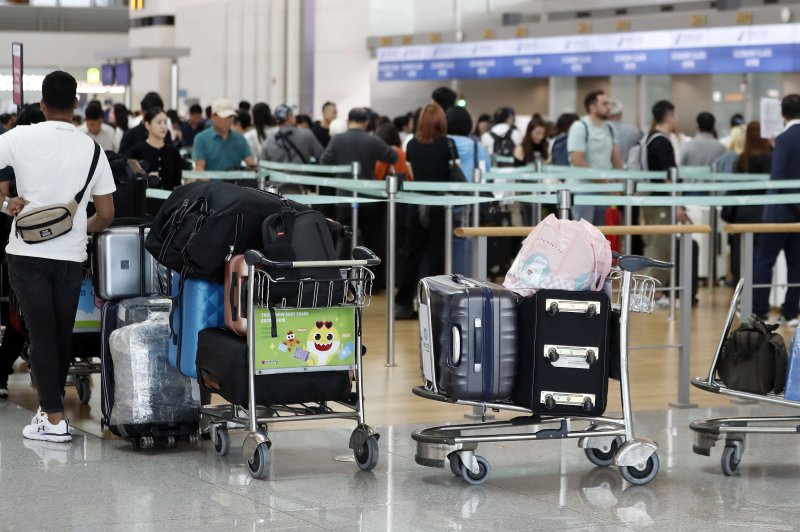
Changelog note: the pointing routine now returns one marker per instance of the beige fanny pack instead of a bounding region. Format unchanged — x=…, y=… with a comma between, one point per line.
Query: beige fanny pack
x=51, y=221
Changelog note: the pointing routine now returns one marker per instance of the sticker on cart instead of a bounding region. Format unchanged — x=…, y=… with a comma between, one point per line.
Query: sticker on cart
x=306, y=340
x=87, y=317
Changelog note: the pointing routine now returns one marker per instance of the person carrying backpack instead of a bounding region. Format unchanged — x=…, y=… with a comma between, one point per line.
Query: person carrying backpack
x=559, y=155
x=503, y=136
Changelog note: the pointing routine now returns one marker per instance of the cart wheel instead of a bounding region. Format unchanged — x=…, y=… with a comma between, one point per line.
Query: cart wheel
x=84, y=388
x=193, y=439
x=603, y=458
x=259, y=463
x=146, y=442
x=549, y=402
x=552, y=354
x=222, y=441
x=483, y=473
x=591, y=357
x=730, y=464
x=367, y=456
x=591, y=312
x=170, y=442
x=456, y=466
x=641, y=476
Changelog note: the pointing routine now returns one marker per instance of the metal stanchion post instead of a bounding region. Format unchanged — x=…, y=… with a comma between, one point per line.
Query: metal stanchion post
x=392, y=184
x=712, y=248
x=536, y=208
x=672, y=177
x=746, y=271
x=261, y=180
x=684, y=362
x=477, y=177
x=630, y=191
x=354, y=223
x=448, y=239
x=564, y=208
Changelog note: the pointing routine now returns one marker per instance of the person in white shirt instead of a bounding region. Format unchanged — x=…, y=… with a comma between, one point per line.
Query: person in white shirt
x=502, y=133
x=53, y=162
x=101, y=133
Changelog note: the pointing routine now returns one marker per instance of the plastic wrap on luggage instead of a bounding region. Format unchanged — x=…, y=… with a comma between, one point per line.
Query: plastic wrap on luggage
x=148, y=389
x=141, y=309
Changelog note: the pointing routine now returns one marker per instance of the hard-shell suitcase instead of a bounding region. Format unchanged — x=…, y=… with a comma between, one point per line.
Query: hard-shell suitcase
x=792, y=389
x=117, y=255
x=469, y=337
x=236, y=295
x=222, y=369
x=197, y=305
x=150, y=397
x=563, y=353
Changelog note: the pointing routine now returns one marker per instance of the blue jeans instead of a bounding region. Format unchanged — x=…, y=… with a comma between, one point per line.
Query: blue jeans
x=769, y=246
x=48, y=292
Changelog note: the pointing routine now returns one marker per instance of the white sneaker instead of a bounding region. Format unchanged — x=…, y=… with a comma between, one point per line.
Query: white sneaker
x=41, y=429
x=788, y=323
x=662, y=303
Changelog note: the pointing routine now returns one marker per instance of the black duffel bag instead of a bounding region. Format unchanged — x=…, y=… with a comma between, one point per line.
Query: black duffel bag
x=203, y=223
x=753, y=359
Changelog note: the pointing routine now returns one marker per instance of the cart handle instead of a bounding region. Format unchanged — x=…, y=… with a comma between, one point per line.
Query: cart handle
x=361, y=257
x=634, y=263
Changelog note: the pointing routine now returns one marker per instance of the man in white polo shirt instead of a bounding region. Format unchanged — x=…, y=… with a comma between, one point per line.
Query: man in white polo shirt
x=52, y=161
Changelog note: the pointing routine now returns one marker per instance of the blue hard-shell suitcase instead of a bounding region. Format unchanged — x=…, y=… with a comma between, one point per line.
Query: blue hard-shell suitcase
x=197, y=305
x=792, y=390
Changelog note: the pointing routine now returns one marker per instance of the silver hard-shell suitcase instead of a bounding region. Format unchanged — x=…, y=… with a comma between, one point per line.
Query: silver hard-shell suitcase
x=117, y=255
x=468, y=335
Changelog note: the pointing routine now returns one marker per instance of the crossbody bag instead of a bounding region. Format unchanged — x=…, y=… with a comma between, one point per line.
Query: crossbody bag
x=51, y=221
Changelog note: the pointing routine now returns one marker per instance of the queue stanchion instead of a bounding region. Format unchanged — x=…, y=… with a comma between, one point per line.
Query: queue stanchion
x=261, y=180
x=630, y=191
x=713, y=248
x=356, y=169
x=685, y=325
x=448, y=239
x=564, y=208
x=672, y=177
x=536, y=215
x=392, y=184
x=479, y=247
x=746, y=272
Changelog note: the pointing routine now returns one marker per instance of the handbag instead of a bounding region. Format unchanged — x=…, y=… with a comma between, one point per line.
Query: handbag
x=455, y=175
x=753, y=359
x=51, y=221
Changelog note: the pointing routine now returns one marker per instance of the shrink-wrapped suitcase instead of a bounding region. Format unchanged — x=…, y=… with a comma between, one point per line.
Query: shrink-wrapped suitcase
x=468, y=338
x=563, y=352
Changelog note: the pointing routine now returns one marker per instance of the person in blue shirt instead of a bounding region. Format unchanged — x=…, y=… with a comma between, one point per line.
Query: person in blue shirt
x=785, y=161
x=470, y=151
x=218, y=148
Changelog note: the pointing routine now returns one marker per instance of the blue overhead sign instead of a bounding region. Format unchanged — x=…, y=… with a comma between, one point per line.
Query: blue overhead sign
x=768, y=48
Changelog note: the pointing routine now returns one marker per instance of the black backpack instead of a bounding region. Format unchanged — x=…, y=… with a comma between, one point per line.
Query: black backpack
x=203, y=223
x=753, y=359
x=131, y=182
x=559, y=154
x=503, y=145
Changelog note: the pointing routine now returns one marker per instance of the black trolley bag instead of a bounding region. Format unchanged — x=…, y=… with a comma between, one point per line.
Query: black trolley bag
x=472, y=327
x=563, y=353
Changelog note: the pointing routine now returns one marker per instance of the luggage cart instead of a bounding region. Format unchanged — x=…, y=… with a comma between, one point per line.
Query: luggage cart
x=357, y=280
x=735, y=429
x=606, y=441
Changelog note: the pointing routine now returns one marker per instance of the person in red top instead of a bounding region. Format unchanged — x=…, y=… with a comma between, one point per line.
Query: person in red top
x=389, y=134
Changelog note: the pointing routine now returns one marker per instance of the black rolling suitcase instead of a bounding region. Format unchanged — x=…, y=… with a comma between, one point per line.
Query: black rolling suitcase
x=563, y=353
x=469, y=337
x=222, y=368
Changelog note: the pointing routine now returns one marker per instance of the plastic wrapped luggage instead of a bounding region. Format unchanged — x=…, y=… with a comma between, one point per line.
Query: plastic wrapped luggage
x=117, y=255
x=563, y=353
x=222, y=369
x=199, y=305
x=236, y=295
x=148, y=392
x=792, y=389
x=469, y=337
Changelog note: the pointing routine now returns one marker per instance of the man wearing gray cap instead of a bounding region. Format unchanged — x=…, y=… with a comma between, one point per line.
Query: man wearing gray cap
x=218, y=148
x=629, y=135
x=291, y=144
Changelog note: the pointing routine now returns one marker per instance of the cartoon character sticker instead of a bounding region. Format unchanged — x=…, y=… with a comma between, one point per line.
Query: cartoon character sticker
x=323, y=343
x=291, y=341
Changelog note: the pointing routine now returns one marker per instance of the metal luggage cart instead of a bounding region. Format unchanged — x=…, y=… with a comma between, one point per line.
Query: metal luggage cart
x=606, y=441
x=735, y=429
x=357, y=281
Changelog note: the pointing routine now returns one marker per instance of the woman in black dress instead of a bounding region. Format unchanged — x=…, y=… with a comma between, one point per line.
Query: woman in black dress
x=159, y=158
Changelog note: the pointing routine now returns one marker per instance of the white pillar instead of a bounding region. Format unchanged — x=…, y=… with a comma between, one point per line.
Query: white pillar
x=277, y=47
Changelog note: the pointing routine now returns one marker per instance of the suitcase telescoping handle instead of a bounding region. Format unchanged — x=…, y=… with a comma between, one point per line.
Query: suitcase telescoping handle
x=361, y=257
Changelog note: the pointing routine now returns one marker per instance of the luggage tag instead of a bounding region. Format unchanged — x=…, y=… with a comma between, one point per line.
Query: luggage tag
x=573, y=357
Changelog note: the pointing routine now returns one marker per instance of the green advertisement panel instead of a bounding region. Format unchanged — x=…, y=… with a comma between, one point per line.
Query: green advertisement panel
x=305, y=340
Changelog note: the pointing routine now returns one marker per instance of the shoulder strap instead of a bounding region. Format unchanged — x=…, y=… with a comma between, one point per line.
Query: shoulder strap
x=586, y=127
x=451, y=145
x=474, y=155
x=286, y=140
x=92, y=168
x=508, y=133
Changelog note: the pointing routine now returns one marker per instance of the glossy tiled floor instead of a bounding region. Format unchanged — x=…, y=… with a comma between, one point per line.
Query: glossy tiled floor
x=96, y=484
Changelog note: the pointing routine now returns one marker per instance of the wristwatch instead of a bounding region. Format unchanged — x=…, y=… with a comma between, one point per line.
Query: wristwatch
x=5, y=205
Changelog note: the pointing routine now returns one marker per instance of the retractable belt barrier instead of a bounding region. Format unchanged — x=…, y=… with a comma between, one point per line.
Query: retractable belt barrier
x=526, y=185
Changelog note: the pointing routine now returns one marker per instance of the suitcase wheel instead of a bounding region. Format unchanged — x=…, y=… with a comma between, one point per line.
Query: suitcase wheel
x=549, y=402
x=553, y=309
x=591, y=311
x=588, y=406
x=552, y=354
x=591, y=357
